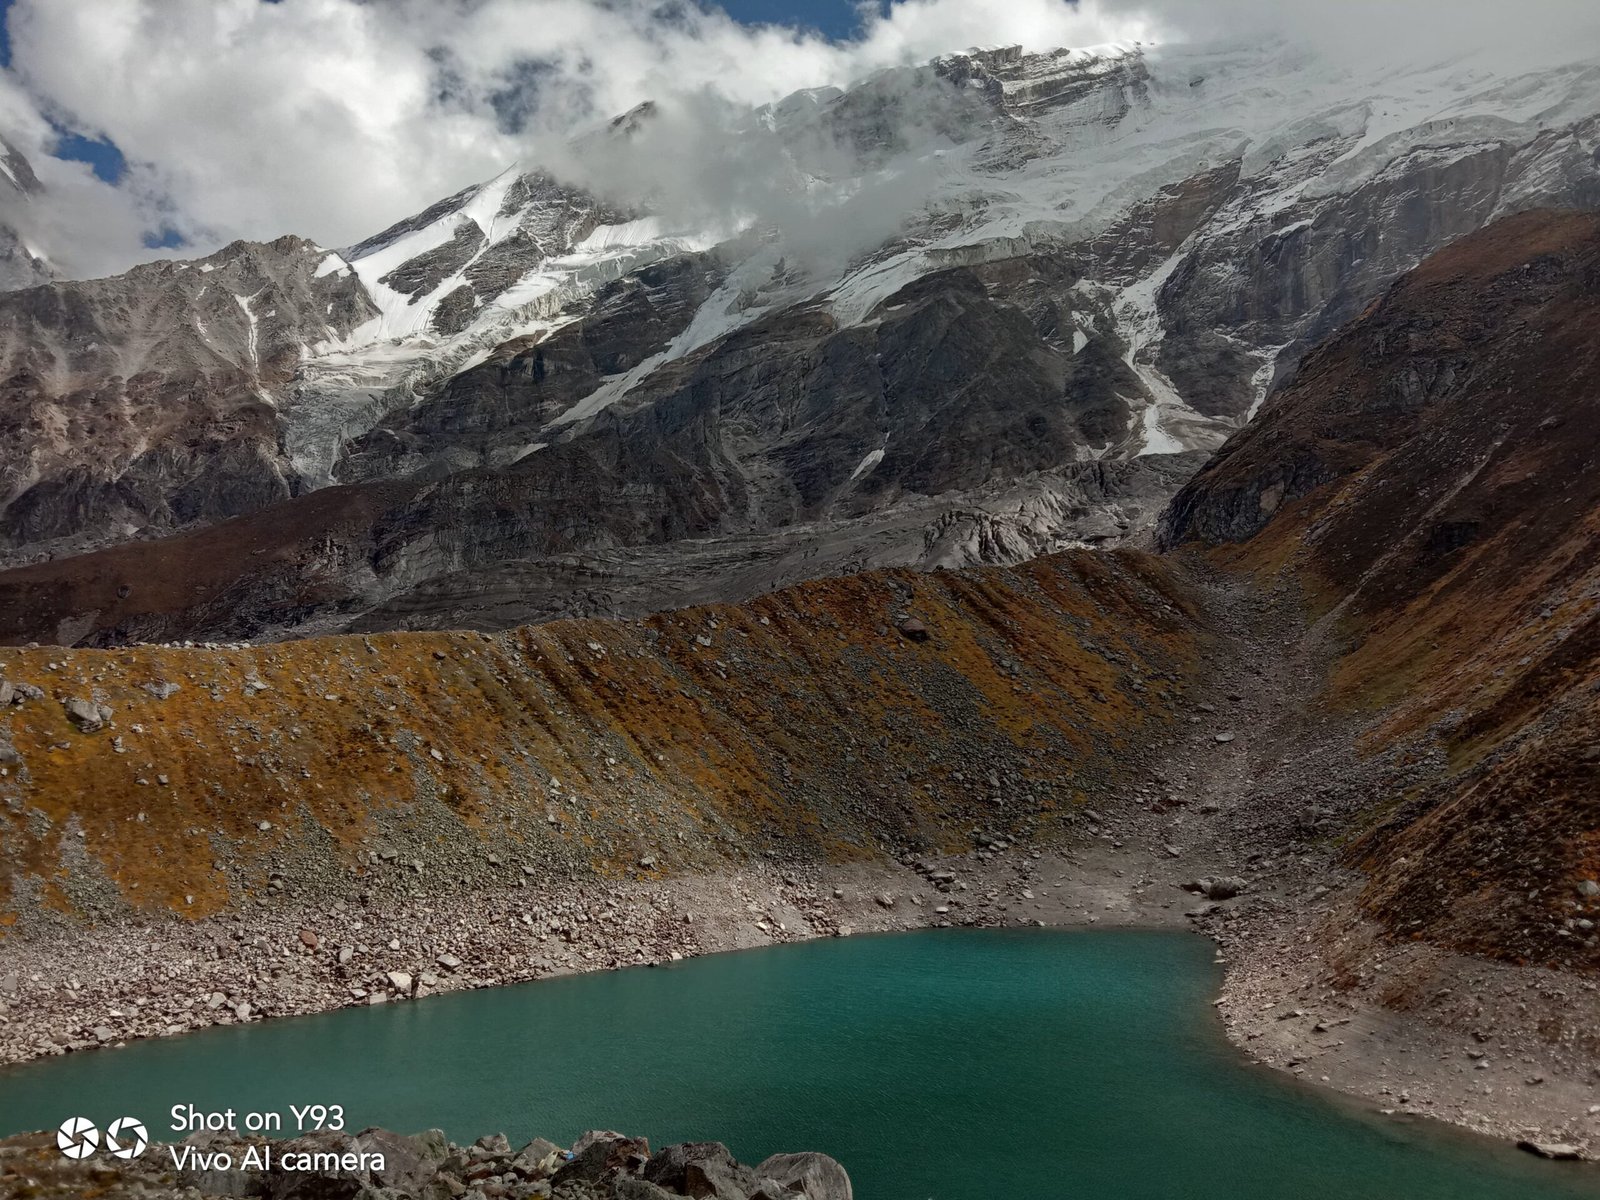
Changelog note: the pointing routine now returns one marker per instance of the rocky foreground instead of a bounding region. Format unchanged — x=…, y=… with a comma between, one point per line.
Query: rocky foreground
x=378, y=1165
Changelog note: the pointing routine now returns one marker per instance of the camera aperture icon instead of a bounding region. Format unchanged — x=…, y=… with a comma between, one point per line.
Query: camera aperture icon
x=127, y=1137
x=77, y=1137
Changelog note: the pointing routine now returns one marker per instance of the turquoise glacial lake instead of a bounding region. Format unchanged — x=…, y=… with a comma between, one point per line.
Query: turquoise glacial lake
x=942, y=1065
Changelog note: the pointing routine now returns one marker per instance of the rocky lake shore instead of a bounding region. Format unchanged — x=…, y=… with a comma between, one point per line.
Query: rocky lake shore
x=99, y=989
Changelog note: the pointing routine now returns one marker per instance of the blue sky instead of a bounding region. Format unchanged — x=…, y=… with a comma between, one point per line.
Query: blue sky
x=836, y=18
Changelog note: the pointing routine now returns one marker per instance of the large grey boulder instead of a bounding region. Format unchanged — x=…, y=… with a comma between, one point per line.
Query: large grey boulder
x=210, y=1181
x=88, y=716
x=1223, y=887
x=814, y=1176
x=602, y=1154
x=538, y=1158
x=632, y=1188
x=702, y=1169
x=408, y=1162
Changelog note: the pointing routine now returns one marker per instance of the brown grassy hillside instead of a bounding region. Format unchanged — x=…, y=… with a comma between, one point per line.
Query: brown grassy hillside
x=805, y=725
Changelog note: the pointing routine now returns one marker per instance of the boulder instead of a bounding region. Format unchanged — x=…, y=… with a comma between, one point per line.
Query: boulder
x=327, y=1184
x=1223, y=887
x=913, y=630
x=88, y=716
x=539, y=1159
x=630, y=1187
x=602, y=1154
x=702, y=1169
x=8, y=753
x=213, y=1182
x=408, y=1162
x=814, y=1176
x=1559, y=1150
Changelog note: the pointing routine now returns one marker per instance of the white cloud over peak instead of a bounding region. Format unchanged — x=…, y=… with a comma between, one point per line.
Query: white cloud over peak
x=333, y=118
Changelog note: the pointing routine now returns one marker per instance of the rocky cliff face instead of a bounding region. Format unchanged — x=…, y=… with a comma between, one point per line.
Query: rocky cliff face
x=151, y=399
x=1431, y=477
x=1090, y=258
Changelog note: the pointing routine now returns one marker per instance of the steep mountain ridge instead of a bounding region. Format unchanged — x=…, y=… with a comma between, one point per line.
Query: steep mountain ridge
x=1431, y=477
x=153, y=397
x=1090, y=256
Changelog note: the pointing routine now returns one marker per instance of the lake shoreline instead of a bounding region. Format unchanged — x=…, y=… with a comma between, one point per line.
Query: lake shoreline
x=1272, y=1005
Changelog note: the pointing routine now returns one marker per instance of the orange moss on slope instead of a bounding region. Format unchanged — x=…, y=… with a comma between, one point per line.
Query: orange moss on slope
x=802, y=719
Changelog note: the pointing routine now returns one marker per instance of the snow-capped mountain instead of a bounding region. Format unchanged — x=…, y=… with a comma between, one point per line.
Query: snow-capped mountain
x=1134, y=164
x=974, y=295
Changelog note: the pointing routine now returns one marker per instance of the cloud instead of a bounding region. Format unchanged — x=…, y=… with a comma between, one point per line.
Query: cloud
x=1374, y=33
x=333, y=118
x=81, y=218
